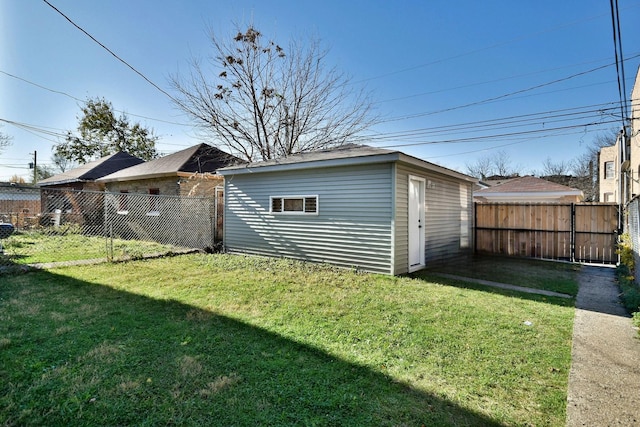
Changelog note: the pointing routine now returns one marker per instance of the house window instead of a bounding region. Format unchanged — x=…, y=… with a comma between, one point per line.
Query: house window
x=123, y=202
x=294, y=204
x=609, y=170
x=154, y=202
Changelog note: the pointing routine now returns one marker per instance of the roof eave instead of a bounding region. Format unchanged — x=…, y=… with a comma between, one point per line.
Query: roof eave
x=312, y=164
x=537, y=194
x=153, y=176
x=345, y=161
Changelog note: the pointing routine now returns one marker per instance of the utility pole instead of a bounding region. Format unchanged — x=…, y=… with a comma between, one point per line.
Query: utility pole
x=34, y=166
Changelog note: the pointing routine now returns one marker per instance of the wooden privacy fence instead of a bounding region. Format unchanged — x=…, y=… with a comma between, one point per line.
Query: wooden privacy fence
x=585, y=232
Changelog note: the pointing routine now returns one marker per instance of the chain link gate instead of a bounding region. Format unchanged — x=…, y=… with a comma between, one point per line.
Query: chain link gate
x=185, y=222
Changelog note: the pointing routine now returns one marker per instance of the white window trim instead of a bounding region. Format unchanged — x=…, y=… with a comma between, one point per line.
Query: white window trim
x=308, y=196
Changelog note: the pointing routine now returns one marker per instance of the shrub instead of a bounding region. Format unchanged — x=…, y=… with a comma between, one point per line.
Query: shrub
x=626, y=277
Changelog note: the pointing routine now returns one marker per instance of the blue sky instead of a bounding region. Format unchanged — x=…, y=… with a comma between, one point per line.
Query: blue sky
x=431, y=67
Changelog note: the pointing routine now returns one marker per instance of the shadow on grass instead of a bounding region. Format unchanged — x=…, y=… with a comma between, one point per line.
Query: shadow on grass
x=432, y=277
x=76, y=353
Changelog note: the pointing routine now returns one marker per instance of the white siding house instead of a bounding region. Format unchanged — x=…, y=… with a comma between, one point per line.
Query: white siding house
x=357, y=206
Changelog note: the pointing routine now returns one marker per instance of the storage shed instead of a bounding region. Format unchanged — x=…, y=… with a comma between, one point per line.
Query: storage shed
x=355, y=206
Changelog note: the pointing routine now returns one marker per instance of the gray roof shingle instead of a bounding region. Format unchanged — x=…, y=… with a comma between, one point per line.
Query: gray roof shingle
x=200, y=158
x=92, y=171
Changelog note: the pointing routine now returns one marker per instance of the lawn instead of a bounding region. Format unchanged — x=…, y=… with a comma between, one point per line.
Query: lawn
x=531, y=273
x=231, y=340
x=37, y=247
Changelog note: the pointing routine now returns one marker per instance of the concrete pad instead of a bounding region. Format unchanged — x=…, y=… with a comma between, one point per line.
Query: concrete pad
x=604, y=381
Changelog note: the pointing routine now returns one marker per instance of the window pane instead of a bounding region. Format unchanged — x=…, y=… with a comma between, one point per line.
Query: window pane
x=608, y=170
x=276, y=205
x=293, y=205
x=310, y=204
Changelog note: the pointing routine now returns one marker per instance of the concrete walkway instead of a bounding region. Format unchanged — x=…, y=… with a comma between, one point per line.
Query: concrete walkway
x=604, y=381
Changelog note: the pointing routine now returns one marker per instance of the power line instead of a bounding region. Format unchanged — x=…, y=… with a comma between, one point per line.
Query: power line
x=499, y=97
x=85, y=102
x=113, y=53
x=619, y=60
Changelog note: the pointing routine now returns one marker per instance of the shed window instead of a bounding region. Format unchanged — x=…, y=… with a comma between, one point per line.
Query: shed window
x=294, y=204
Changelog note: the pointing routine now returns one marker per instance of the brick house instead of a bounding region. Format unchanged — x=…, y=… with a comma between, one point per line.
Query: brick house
x=74, y=195
x=189, y=172
x=18, y=204
x=84, y=176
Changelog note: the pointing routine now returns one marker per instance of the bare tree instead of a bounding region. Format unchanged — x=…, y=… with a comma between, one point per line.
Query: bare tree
x=5, y=141
x=262, y=101
x=558, y=167
x=503, y=165
x=481, y=168
x=498, y=163
x=585, y=166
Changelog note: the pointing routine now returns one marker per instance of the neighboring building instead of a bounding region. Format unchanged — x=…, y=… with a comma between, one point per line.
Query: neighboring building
x=84, y=176
x=528, y=189
x=634, y=140
x=356, y=206
x=609, y=174
x=19, y=204
x=619, y=164
x=73, y=196
x=189, y=172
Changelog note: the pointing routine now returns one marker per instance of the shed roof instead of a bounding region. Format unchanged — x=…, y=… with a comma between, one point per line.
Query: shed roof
x=200, y=158
x=93, y=170
x=349, y=154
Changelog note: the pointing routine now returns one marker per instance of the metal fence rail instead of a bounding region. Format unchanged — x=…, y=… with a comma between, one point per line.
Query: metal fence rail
x=108, y=225
x=632, y=228
x=180, y=221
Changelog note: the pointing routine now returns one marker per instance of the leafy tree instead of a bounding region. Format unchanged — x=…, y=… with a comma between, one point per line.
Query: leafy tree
x=62, y=163
x=101, y=133
x=263, y=101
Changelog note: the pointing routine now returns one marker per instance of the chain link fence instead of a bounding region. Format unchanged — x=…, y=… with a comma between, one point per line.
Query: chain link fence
x=78, y=225
x=632, y=228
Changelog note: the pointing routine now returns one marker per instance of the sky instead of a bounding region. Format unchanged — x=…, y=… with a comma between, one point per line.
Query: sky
x=450, y=81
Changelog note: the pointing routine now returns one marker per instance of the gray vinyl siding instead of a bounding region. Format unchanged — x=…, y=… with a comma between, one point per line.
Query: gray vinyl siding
x=448, y=216
x=352, y=228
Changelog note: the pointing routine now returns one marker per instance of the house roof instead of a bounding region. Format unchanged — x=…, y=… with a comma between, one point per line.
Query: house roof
x=91, y=171
x=530, y=185
x=349, y=154
x=201, y=158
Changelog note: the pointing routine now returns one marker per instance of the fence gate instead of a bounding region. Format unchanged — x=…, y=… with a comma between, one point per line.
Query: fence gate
x=585, y=232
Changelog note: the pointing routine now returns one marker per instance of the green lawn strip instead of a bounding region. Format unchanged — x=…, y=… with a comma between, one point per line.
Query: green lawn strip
x=32, y=248
x=530, y=273
x=197, y=338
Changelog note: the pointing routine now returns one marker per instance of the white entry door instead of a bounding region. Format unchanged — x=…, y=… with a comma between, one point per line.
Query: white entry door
x=416, y=223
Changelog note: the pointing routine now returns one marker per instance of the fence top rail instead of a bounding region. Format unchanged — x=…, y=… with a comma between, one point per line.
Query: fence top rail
x=482, y=203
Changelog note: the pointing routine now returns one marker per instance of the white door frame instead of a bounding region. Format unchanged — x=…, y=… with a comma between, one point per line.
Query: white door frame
x=416, y=223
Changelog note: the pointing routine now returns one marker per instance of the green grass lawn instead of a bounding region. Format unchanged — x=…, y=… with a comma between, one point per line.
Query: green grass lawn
x=35, y=247
x=527, y=272
x=229, y=340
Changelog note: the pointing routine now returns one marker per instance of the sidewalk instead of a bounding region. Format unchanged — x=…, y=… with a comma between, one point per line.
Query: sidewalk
x=604, y=381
